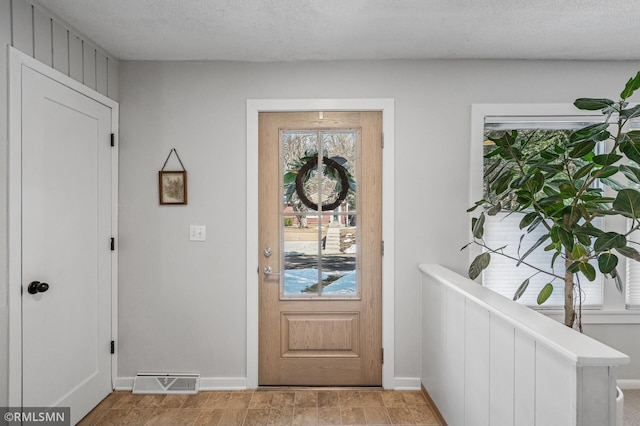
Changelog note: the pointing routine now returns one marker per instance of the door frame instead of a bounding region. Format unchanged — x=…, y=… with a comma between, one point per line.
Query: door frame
x=18, y=60
x=387, y=107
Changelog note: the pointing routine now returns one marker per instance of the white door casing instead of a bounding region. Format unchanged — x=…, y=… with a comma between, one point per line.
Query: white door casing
x=387, y=106
x=55, y=176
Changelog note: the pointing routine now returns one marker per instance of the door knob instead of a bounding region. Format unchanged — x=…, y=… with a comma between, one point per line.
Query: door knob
x=37, y=287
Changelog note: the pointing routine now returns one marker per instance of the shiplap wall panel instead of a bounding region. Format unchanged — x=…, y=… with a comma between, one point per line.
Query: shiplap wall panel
x=454, y=348
x=476, y=359
x=112, y=82
x=433, y=328
x=524, y=380
x=42, y=42
x=5, y=39
x=101, y=72
x=517, y=366
x=501, y=372
x=30, y=29
x=60, y=47
x=593, y=385
x=22, y=18
x=75, y=57
x=89, y=65
x=555, y=389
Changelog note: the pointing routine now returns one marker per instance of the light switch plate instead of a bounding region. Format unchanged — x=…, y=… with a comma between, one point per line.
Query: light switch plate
x=197, y=233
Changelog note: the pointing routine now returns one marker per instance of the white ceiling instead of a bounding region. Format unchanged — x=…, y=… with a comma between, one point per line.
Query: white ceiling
x=292, y=30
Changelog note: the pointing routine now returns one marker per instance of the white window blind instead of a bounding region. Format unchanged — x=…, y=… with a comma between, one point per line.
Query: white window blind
x=504, y=277
x=632, y=296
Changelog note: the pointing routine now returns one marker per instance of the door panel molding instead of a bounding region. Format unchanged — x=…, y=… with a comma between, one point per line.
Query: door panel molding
x=17, y=61
x=254, y=107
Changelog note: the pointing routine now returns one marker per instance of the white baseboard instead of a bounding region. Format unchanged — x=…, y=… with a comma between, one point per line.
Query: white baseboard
x=223, y=383
x=123, y=383
x=407, y=383
x=240, y=383
x=628, y=384
x=206, y=383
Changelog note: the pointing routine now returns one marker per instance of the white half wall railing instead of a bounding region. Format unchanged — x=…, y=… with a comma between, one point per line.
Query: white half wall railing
x=487, y=360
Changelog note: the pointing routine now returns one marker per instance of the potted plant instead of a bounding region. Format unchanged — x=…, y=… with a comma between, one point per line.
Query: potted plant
x=558, y=184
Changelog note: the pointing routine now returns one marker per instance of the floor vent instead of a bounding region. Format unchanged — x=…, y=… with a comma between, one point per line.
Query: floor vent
x=166, y=383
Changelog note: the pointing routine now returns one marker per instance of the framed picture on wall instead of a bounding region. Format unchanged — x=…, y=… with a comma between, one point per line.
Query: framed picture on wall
x=173, y=187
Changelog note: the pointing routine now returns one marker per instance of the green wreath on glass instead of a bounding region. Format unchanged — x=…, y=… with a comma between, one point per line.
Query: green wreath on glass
x=334, y=167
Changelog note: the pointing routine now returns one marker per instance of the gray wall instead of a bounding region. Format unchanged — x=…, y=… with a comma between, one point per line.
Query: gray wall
x=182, y=304
x=35, y=32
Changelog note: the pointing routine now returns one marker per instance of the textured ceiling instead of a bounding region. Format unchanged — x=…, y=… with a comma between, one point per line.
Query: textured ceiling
x=292, y=30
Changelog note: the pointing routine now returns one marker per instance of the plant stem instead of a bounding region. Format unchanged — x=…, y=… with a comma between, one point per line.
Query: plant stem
x=569, y=309
x=540, y=270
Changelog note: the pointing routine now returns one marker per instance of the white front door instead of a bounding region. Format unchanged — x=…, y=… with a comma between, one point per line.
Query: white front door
x=66, y=243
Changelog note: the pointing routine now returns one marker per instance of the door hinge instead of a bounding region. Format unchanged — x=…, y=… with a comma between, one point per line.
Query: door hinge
x=382, y=139
x=113, y=244
x=382, y=248
x=113, y=139
x=113, y=347
x=382, y=354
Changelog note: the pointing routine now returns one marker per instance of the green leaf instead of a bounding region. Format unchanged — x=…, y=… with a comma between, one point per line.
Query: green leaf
x=632, y=85
x=477, y=226
x=629, y=252
x=582, y=239
x=290, y=177
x=545, y=293
x=583, y=171
x=588, y=270
x=617, y=280
x=566, y=238
x=613, y=184
x=631, y=150
x=495, y=209
x=480, y=263
x=607, y=159
x=502, y=182
x=593, y=104
x=630, y=113
x=578, y=251
x=574, y=267
x=528, y=219
x=632, y=173
x=582, y=149
x=633, y=135
x=607, y=262
x=491, y=168
x=608, y=241
x=537, y=244
x=567, y=190
x=627, y=202
x=589, y=132
x=476, y=205
x=588, y=230
x=521, y=289
x=605, y=172
x=538, y=220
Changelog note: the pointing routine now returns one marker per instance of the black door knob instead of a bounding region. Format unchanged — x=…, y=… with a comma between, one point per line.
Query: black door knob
x=37, y=287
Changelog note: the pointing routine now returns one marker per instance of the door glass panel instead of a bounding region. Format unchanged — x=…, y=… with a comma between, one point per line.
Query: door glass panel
x=319, y=215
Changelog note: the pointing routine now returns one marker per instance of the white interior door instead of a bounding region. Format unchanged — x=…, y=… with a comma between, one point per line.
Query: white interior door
x=66, y=235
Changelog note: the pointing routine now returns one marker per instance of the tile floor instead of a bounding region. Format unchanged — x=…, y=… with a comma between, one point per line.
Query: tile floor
x=265, y=407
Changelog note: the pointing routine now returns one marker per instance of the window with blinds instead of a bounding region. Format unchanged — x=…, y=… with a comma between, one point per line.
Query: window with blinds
x=504, y=277
x=502, y=230
x=632, y=294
